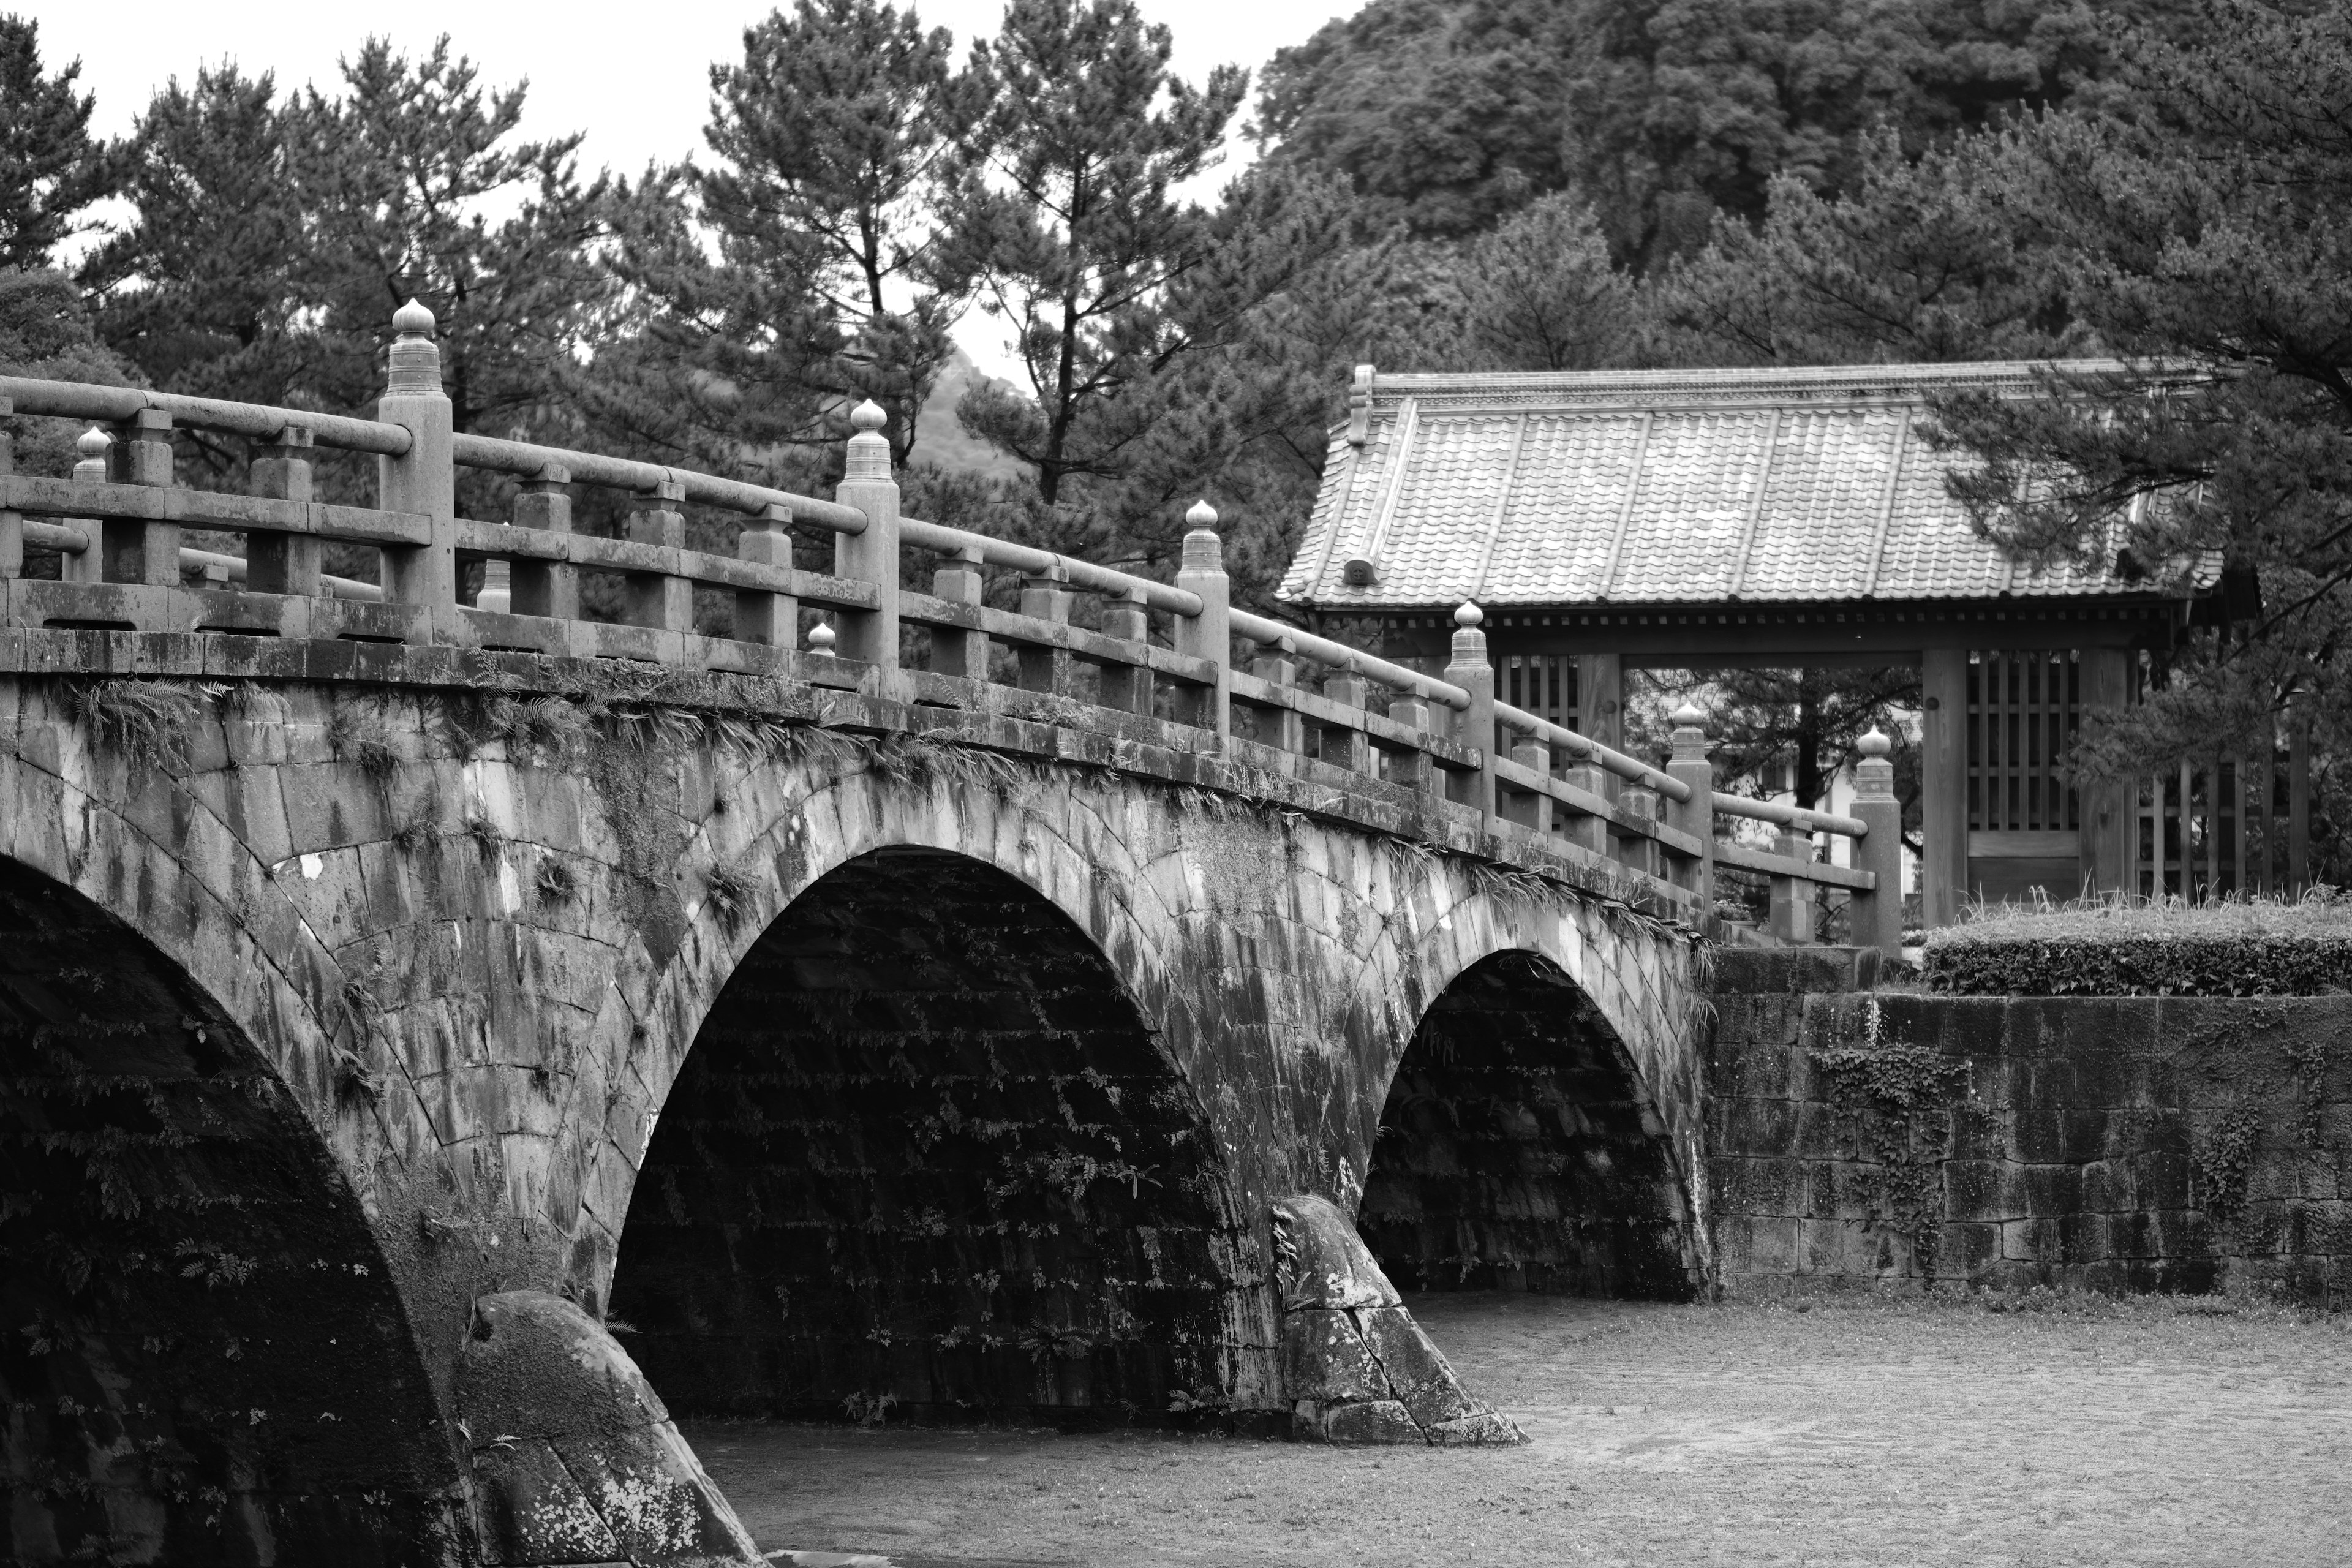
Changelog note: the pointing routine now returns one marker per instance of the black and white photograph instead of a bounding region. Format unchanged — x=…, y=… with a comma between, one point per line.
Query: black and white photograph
x=1176, y=783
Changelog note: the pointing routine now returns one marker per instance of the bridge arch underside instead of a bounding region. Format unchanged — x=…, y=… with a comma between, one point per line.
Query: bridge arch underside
x=202, y=1353
x=926, y=1151
x=1517, y=1150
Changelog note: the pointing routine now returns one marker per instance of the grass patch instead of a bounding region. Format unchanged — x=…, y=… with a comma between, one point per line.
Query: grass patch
x=2119, y=947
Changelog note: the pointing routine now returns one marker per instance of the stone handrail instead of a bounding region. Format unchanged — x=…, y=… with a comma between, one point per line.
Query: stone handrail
x=1161, y=653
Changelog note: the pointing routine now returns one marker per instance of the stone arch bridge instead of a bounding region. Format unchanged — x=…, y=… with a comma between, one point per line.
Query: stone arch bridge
x=441, y=1025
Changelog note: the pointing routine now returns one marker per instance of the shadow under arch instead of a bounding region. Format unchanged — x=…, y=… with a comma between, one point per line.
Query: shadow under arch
x=1518, y=1150
x=201, y=1348
x=926, y=1156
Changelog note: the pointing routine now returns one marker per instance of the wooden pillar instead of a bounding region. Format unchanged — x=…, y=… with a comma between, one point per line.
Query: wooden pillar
x=2103, y=836
x=1944, y=784
x=1601, y=698
x=2298, y=801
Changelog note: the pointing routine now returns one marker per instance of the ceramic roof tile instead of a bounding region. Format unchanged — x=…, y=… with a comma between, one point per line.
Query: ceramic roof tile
x=1566, y=497
x=1654, y=487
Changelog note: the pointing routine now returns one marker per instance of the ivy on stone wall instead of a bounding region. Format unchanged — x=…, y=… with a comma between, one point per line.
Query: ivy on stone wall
x=1892, y=1097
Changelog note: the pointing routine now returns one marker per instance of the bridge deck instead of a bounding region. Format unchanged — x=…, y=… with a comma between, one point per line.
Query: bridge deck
x=1308, y=724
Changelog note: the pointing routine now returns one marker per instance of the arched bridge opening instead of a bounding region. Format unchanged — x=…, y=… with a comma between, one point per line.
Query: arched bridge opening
x=926, y=1159
x=1518, y=1150
x=202, y=1356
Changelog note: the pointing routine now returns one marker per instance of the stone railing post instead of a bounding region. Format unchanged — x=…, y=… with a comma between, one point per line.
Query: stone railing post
x=550, y=588
x=1126, y=687
x=1875, y=918
x=1413, y=770
x=1637, y=852
x=961, y=654
x=772, y=620
x=89, y=469
x=1533, y=810
x=12, y=523
x=1470, y=669
x=1210, y=634
x=137, y=550
x=1353, y=752
x=660, y=599
x=283, y=562
x=871, y=556
x=1046, y=598
x=426, y=479
x=1695, y=817
x=1280, y=727
x=1793, y=896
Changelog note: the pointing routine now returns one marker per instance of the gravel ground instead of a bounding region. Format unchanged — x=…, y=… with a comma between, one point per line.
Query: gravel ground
x=1866, y=1434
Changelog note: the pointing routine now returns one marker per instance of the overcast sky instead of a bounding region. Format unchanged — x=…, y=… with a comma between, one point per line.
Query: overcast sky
x=635, y=77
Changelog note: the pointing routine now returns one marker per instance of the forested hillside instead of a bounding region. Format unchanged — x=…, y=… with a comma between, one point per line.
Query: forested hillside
x=1449, y=113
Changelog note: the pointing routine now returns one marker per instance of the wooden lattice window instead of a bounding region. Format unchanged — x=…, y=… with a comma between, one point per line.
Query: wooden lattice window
x=1544, y=685
x=2023, y=711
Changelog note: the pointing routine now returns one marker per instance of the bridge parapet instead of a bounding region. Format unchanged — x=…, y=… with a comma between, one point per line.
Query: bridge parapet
x=1441, y=754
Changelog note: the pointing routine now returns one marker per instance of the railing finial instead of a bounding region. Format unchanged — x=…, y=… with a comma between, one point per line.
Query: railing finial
x=1204, y=551
x=1689, y=735
x=1873, y=776
x=92, y=444
x=414, y=362
x=869, y=458
x=1468, y=616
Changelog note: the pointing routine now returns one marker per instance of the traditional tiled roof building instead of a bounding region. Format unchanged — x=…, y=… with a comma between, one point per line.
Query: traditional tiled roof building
x=1778, y=517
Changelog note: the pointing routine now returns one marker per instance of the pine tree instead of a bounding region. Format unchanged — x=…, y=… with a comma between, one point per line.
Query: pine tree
x=1061, y=216
x=1539, y=292
x=2205, y=236
x=398, y=177
x=200, y=290
x=831, y=137
x=1919, y=260
x=50, y=171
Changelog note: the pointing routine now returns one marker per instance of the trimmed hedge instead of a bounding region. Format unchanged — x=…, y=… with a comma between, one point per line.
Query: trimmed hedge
x=2229, y=950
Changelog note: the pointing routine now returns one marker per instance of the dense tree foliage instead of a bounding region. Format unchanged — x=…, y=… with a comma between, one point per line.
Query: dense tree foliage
x=50, y=169
x=1664, y=112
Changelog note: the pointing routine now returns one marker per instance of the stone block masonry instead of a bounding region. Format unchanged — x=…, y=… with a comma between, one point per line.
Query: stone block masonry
x=2116, y=1144
x=859, y=1057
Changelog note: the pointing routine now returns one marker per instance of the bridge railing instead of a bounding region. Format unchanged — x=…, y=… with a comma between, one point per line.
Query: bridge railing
x=1314, y=708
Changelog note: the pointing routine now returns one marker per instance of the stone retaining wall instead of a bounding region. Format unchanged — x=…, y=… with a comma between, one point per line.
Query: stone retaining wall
x=2132, y=1143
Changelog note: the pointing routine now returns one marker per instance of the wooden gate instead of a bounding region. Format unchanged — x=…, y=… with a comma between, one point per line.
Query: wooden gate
x=2024, y=818
x=2218, y=825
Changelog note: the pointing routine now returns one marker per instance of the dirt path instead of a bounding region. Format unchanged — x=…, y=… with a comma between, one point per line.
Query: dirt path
x=1865, y=1434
